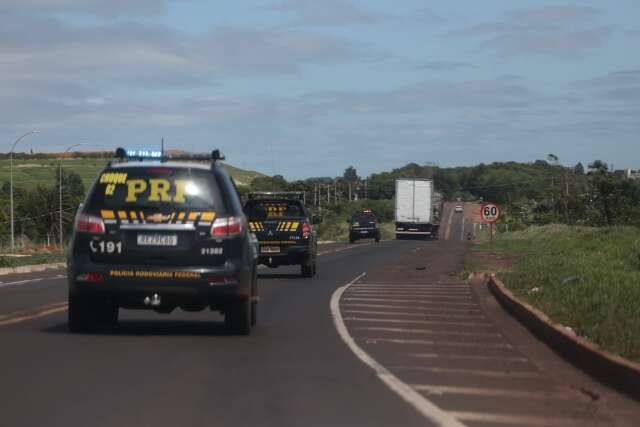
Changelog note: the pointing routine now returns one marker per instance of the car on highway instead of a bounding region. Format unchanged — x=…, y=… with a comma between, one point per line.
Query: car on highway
x=284, y=229
x=158, y=233
x=364, y=225
x=458, y=208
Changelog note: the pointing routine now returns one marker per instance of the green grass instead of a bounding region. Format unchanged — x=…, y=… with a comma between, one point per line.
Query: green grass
x=588, y=279
x=28, y=173
x=34, y=259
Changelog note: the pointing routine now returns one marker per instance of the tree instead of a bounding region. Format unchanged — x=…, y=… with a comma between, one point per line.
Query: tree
x=578, y=169
x=351, y=175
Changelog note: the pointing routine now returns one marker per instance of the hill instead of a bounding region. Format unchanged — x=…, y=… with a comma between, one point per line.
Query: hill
x=31, y=172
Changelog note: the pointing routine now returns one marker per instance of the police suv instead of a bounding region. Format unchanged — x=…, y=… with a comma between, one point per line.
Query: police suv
x=155, y=233
x=284, y=230
x=364, y=225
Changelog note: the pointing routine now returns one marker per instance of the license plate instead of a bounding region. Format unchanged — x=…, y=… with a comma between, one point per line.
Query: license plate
x=157, y=240
x=270, y=249
x=363, y=232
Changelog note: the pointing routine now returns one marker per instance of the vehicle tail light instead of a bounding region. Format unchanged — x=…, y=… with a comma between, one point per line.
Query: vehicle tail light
x=306, y=230
x=227, y=227
x=89, y=224
x=90, y=277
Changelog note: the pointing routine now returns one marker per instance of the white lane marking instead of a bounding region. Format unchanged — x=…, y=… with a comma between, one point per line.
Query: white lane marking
x=419, y=301
x=433, y=288
x=408, y=291
x=420, y=403
x=466, y=357
x=427, y=331
x=422, y=315
x=438, y=283
x=470, y=372
x=34, y=280
x=372, y=340
x=430, y=297
x=362, y=245
x=512, y=420
x=429, y=308
x=439, y=390
x=419, y=322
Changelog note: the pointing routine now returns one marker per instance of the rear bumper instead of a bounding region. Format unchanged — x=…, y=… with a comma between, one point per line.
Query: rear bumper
x=129, y=285
x=288, y=255
x=366, y=233
x=412, y=229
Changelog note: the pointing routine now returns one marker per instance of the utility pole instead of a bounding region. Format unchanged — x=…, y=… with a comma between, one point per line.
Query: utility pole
x=11, y=185
x=328, y=194
x=349, y=192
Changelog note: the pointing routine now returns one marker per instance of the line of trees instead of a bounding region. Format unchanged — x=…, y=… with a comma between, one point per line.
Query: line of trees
x=36, y=210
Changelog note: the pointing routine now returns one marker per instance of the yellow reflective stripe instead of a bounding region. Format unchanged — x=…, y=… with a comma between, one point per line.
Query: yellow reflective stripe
x=193, y=216
x=207, y=216
x=107, y=214
x=134, y=216
x=142, y=215
x=122, y=215
x=294, y=226
x=180, y=216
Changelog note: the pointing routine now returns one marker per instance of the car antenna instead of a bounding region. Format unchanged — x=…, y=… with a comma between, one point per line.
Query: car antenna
x=162, y=147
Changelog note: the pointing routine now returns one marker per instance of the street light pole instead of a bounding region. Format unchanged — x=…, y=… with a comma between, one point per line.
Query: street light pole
x=11, y=184
x=60, y=191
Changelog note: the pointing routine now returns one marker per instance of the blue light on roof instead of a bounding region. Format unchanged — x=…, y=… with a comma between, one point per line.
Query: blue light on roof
x=147, y=154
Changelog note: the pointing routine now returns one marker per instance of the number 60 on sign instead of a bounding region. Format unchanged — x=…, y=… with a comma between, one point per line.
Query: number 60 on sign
x=490, y=212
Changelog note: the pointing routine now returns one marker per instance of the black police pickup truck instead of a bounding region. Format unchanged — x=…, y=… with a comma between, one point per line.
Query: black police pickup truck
x=284, y=230
x=364, y=225
x=160, y=234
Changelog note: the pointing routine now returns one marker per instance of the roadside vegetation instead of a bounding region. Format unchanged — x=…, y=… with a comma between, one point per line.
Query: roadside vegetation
x=587, y=278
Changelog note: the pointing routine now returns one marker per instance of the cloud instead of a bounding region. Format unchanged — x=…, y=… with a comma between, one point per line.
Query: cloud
x=428, y=96
x=444, y=65
x=616, y=78
x=90, y=7
x=327, y=12
x=557, y=31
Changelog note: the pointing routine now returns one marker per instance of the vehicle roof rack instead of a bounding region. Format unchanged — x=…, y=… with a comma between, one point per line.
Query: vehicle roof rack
x=299, y=195
x=123, y=155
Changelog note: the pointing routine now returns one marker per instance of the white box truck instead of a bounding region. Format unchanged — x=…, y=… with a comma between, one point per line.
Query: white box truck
x=417, y=211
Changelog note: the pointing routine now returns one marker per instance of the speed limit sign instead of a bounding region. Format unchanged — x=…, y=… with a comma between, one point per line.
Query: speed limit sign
x=490, y=212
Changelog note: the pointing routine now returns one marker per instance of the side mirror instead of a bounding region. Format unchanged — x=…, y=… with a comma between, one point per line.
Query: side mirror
x=316, y=219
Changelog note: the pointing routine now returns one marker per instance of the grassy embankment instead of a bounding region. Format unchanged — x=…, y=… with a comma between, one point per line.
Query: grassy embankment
x=584, y=278
x=29, y=173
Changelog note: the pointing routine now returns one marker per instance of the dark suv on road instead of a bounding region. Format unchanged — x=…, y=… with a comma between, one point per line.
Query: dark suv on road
x=161, y=234
x=284, y=230
x=364, y=225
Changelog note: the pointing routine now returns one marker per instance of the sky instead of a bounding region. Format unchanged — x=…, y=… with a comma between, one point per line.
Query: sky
x=307, y=88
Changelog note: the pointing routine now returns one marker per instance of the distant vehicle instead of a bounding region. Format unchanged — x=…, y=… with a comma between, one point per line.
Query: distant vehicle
x=417, y=213
x=158, y=234
x=458, y=208
x=364, y=225
x=284, y=230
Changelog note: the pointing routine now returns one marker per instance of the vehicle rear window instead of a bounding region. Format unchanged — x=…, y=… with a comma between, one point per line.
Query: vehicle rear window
x=364, y=219
x=272, y=209
x=155, y=188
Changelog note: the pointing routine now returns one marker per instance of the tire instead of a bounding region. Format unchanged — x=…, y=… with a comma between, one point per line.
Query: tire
x=378, y=239
x=237, y=318
x=306, y=270
x=398, y=236
x=90, y=315
x=254, y=313
x=352, y=240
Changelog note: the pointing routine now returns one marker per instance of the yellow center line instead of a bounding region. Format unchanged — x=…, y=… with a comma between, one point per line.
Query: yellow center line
x=45, y=310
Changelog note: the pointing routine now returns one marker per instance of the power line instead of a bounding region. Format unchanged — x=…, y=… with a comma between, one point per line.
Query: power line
x=37, y=216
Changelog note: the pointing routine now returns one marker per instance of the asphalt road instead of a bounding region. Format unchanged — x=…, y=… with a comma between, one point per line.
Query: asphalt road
x=293, y=370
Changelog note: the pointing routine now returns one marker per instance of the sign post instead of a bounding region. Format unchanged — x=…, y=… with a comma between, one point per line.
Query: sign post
x=490, y=213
